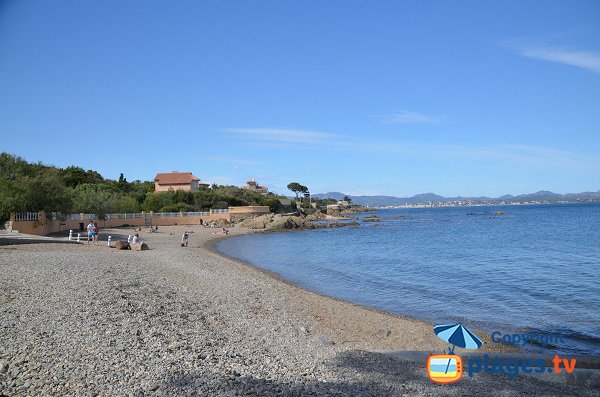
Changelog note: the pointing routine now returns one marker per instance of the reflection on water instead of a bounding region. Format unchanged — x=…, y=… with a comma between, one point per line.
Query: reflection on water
x=531, y=268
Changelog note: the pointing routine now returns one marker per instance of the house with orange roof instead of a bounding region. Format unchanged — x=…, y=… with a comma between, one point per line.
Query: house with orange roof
x=254, y=186
x=165, y=181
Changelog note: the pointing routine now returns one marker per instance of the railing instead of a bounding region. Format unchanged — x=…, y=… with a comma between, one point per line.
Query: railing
x=166, y=214
x=27, y=216
x=72, y=217
x=202, y=213
x=129, y=215
x=34, y=216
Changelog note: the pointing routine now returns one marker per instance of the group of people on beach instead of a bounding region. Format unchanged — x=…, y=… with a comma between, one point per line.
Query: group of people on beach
x=93, y=231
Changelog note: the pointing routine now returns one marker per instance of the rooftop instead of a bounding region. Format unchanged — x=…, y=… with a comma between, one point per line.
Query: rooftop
x=175, y=178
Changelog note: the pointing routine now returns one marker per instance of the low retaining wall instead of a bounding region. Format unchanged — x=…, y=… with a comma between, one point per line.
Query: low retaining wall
x=43, y=227
x=240, y=213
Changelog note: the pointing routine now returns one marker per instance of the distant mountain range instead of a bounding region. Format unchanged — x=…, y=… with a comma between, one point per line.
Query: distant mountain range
x=383, y=201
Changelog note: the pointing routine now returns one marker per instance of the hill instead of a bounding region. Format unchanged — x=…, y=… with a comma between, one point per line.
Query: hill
x=384, y=201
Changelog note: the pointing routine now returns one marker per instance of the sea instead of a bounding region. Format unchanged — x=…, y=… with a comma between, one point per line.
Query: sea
x=515, y=269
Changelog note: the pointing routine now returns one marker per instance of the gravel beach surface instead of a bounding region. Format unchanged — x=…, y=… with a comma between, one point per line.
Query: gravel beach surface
x=83, y=320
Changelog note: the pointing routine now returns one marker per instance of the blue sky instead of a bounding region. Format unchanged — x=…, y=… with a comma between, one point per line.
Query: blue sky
x=387, y=97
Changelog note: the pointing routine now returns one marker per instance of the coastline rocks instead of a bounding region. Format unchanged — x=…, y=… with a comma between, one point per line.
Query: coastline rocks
x=283, y=222
x=317, y=216
x=220, y=223
x=372, y=218
x=356, y=210
x=275, y=222
x=338, y=224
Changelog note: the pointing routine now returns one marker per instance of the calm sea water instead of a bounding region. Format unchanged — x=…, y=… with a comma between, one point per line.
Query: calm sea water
x=532, y=269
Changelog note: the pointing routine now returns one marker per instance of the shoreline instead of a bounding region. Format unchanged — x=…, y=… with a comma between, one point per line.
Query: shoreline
x=210, y=245
x=482, y=329
x=81, y=319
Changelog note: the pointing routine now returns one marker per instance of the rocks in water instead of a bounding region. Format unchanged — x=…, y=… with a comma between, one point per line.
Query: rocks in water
x=356, y=209
x=340, y=224
x=122, y=245
x=372, y=218
x=398, y=217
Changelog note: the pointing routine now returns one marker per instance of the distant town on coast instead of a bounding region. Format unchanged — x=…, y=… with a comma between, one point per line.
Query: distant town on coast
x=434, y=200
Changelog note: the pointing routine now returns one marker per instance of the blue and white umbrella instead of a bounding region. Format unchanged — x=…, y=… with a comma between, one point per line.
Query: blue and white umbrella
x=457, y=335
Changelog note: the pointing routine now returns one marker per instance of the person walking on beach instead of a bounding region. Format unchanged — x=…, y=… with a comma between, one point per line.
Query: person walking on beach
x=90, y=230
x=96, y=233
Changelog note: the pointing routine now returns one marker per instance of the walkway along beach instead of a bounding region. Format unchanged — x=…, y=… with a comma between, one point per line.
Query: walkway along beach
x=91, y=320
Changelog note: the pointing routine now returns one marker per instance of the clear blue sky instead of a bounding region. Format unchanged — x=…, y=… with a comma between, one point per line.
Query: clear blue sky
x=386, y=97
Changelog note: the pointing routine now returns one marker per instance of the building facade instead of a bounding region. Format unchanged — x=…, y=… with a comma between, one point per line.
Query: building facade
x=254, y=186
x=177, y=181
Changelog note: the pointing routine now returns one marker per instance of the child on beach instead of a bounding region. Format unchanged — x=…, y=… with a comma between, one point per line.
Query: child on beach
x=184, y=238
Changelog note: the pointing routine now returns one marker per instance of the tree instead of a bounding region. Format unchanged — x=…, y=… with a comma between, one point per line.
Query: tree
x=46, y=191
x=296, y=188
x=94, y=199
x=30, y=187
x=123, y=184
x=8, y=204
x=126, y=204
x=74, y=176
x=347, y=199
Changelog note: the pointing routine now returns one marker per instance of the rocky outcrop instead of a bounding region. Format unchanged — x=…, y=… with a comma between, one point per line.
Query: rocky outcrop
x=356, y=209
x=283, y=222
x=372, y=218
x=272, y=221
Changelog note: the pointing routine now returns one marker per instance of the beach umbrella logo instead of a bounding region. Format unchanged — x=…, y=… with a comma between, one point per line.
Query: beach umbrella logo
x=457, y=335
x=447, y=368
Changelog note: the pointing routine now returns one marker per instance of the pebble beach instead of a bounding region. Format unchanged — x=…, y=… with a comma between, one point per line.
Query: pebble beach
x=85, y=320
